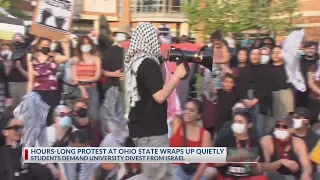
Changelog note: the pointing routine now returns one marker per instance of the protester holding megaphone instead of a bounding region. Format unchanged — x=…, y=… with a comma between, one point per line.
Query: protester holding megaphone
x=147, y=95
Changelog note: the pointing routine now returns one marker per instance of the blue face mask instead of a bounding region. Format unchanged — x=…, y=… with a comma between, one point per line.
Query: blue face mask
x=265, y=59
x=65, y=121
x=86, y=48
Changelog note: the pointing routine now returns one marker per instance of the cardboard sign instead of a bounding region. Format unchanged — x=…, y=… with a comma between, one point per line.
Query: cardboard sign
x=52, y=18
x=10, y=26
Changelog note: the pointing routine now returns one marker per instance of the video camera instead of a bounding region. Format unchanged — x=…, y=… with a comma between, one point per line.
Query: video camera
x=179, y=56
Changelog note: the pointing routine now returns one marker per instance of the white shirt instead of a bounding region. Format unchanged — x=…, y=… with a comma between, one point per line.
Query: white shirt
x=231, y=42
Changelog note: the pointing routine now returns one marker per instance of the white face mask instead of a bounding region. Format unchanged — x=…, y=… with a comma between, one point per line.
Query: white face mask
x=74, y=43
x=120, y=37
x=5, y=53
x=53, y=47
x=238, y=128
x=297, y=123
x=86, y=48
x=281, y=134
x=265, y=59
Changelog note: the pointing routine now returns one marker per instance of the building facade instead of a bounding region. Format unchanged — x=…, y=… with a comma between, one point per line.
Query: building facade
x=123, y=12
x=309, y=10
x=132, y=12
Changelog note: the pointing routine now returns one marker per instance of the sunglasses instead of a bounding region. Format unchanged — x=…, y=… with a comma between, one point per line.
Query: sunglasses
x=283, y=126
x=64, y=114
x=15, y=127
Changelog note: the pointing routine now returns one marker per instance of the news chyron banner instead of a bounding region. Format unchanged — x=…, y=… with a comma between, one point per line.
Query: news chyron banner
x=124, y=155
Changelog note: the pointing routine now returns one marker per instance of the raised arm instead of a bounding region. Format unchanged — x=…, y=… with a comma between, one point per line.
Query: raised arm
x=30, y=74
x=66, y=49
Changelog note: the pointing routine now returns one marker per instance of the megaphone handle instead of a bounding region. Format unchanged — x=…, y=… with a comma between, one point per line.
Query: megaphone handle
x=185, y=63
x=186, y=66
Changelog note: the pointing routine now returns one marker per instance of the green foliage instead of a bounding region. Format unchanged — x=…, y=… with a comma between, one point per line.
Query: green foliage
x=5, y=4
x=239, y=15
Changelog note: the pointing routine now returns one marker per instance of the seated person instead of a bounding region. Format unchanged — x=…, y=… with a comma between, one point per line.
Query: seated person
x=75, y=171
x=301, y=129
x=82, y=121
x=287, y=154
x=58, y=134
x=10, y=153
x=188, y=133
x=315, y=158
x=246, y=148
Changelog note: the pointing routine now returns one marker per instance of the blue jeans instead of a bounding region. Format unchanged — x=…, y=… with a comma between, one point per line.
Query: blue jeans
x=179, y=174
x=258, y=120
x=94, y=103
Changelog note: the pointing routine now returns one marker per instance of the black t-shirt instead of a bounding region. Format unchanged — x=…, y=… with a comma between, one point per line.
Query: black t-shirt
x=311, y=140
x=15, y=75
x=10, y=161
x=113, y=61
x=232, y=170
x=226, y=101
x=148, y=118
x=244, y=82
x=305, y=65
x=279, y=80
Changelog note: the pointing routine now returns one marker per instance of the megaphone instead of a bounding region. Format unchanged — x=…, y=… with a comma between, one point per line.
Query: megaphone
x=201, y=57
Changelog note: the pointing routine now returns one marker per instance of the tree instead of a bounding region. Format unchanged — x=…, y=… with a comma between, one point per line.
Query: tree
x=5, y=4
x=12, y=7
x=239, y=15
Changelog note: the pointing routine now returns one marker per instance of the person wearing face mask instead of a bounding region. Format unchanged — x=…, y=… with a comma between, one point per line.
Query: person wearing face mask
x=301, y=129
x=42, y=74
x=82, y=121
x=259, y=95
x=113, y=106
x=287, y=154
x=58, y=134
x=17, y=71
x=187, y=132
x=242, y=146
x=86, y=69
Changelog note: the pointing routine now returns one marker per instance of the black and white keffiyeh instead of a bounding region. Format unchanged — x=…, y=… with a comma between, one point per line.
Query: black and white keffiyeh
x=33, y=111
x=144, y=44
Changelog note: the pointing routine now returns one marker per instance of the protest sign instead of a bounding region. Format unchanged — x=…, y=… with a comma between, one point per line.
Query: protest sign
x=52, y=18
x=10, y=26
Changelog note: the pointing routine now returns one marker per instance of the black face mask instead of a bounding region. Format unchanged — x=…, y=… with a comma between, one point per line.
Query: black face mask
x=82, y=112
x=45, y=50
x=18, y=45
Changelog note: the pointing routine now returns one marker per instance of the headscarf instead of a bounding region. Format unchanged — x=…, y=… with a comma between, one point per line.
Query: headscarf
x=144, y=44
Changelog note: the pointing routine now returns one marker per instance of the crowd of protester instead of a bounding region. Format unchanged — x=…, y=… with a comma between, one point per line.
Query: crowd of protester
x=245, y=103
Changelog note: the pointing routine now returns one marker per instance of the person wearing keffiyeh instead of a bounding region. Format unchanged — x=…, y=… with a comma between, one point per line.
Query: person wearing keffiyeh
x=147, y=95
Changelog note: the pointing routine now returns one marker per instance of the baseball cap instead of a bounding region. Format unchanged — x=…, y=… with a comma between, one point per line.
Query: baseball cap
x=302, y=112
